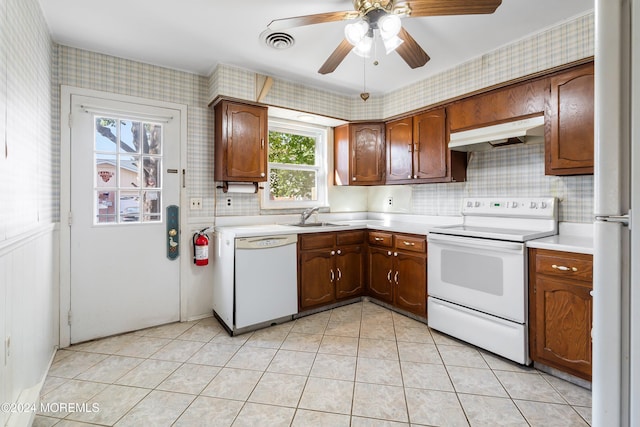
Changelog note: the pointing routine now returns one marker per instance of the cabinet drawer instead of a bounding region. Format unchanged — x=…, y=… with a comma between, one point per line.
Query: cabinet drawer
x=350, y=237
x=316, y=241
x=380, y=238
x=411, y=243
x=564, y=264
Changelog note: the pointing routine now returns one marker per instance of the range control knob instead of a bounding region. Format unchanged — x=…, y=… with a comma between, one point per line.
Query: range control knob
x=476, y=204
x=469, y=204
x=543, y=205
x=533, y=205
x=514, y=204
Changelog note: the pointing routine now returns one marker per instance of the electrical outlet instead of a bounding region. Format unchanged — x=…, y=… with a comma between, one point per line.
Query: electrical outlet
x=196, y=203
x=389, y=201
x=228, y=201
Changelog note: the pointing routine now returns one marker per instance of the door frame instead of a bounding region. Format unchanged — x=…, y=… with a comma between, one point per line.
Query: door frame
x=65, y=197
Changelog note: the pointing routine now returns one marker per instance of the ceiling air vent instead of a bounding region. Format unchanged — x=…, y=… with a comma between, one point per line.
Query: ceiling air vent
x=279, y=40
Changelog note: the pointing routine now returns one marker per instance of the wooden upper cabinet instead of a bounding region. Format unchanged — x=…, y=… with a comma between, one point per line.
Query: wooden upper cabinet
x=359, y=154
x=399, y=150
x=499, y=105
x=241, y=138
x=417, y=150
x=430, y=145
x=569, y=149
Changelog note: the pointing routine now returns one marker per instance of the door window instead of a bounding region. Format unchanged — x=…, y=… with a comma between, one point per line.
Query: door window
x=128, y=165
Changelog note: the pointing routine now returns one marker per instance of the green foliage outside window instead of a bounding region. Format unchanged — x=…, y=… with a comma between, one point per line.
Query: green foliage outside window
x=286, y=149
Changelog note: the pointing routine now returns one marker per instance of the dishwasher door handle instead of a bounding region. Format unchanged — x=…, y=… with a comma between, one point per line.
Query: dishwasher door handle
x=266, y=242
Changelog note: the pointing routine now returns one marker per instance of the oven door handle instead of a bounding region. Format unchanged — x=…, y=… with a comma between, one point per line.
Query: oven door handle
x=470, y=242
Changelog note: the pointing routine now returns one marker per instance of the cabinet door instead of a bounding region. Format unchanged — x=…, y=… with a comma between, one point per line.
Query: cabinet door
x=563, y=320
x=246, y=129
x=410, y=280
x=316, y=278
x=430, y=145
x=399, y=144
x=367, y=153
x=571, y=114
x=349, y=272
x=381, y=274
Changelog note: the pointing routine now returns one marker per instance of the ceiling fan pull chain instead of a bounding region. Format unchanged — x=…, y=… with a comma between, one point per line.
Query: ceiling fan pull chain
x=364, y=95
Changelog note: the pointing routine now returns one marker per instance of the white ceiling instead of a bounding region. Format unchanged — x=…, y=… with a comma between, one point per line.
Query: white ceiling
x=197, y=35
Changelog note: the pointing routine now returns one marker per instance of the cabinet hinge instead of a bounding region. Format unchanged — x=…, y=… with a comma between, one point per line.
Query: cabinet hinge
x=69, y=218
x=70, y=120
x=69, y=317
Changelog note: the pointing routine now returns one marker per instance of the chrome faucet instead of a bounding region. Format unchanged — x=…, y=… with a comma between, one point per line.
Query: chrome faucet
x=307, y=213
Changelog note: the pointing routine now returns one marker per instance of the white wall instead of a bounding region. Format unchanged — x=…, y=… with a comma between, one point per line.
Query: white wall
x=28, y=208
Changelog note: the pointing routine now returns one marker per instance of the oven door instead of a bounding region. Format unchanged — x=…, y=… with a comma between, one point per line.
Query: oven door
x=482, y=274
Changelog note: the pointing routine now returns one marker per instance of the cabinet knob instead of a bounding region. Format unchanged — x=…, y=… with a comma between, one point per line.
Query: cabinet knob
x=395, y=254
x=339, y=252
x=409, y=176
x=353, y=178
x=389, y=253
x=262, y=174
x=410, y=147
x=415, y=176
x=333, y=253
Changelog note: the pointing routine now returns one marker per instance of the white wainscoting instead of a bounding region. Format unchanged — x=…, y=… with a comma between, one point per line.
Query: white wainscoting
x=29, y=326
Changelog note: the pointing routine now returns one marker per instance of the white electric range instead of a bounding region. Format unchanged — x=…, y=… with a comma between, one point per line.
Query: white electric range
x=477, y=272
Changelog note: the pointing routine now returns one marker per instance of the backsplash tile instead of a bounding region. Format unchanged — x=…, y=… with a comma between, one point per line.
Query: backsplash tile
x=516, y=171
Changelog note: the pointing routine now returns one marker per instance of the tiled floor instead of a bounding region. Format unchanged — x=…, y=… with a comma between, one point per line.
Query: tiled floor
x=357, y=365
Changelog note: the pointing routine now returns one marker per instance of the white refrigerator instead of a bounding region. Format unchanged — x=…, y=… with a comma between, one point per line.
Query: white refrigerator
x=616, y=301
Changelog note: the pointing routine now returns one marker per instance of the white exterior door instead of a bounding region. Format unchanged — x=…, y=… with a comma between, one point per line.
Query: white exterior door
x=124, y=163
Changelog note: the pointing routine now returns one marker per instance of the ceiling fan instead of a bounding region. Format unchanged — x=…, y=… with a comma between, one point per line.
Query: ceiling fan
x=384, y=16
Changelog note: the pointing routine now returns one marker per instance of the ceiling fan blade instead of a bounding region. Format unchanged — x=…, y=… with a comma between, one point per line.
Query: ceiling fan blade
x=336, y=57
x=299, y=21
x=411, y=51
x=449, y=7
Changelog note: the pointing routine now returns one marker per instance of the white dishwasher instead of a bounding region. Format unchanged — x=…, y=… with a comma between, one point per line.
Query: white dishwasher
x=266, y=279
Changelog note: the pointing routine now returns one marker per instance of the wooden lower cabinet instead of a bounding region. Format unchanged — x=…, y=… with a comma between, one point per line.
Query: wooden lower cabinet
x=330, y=267
x=380, y=262
x=560, y=310
x=398, y=270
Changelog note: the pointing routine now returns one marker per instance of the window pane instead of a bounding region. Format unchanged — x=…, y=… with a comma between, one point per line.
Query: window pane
x=151, y=206
x=106, y=169
x=290, y=185
x=129, y=206
x=105, y=207
x=106, y=134
x=129, y=171
x=130, y=134
x=291, y=148
x=151, y=172
x=152, y=139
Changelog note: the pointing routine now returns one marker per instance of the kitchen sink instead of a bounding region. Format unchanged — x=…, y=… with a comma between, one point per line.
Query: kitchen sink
x=315, y=224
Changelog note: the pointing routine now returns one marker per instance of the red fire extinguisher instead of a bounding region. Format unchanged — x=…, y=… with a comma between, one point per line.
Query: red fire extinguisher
x=200, y=248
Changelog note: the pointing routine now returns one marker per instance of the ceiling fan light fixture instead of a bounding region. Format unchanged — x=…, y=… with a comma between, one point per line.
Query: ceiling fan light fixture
x=363, y=48
x=356, y=31
x=389, y=26
x=391, y=44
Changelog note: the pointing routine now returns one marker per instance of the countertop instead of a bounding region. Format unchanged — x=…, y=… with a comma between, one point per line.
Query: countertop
x=572, y=237
x=396, y=223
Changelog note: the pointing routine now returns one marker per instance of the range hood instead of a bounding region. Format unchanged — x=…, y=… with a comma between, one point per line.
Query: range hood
x=517, y=132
